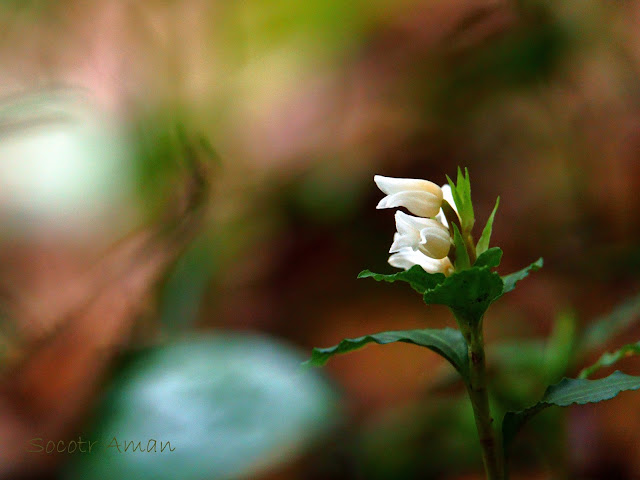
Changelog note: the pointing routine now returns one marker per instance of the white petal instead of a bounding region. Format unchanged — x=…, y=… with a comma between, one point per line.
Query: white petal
x=404, y=241
x=435, y=240
x=391, y=185
x=448, y=196
x=442, y=219
x=423, y=204
x=407, y=258
x=406, y=224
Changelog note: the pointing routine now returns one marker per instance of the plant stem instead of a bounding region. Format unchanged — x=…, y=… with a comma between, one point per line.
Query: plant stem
x=478, y=394
x=471, y=249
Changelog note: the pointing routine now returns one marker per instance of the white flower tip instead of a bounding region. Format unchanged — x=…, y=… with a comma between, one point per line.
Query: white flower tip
x=400, y=242
x=391, y=185
x=381, y=179
x=384, y=203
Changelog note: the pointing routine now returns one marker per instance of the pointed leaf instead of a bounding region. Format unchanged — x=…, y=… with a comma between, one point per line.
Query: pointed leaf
x=462, y=261
x=513, y=278
x=461, y=192
x=569, y=391
x=490, y=258
x=447, y=342
x=419, y=280
x=470, y=218
x=467, y=293
x=483, y=243
x=609, y=358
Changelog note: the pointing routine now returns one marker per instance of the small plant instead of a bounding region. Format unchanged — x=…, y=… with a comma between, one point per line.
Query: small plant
x=446, y=266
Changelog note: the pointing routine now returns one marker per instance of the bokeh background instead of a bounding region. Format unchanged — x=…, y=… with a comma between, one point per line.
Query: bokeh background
x=187, y=197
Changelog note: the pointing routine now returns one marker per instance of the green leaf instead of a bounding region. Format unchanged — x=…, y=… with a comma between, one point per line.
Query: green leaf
x=489, y=258
x=567, y=392
x=461, y=192
x=467, y=293
x=609, y=358
x=561, y=346
x=606, y=327
x=518, y=355
x=483, y=243
x=464, y=188
x=231, y=405
x=513, y=278
x=419, y=280
x=462, y=261
x=447, y=342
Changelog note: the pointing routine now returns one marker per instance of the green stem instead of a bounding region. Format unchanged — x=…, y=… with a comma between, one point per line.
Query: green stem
x=478, y=394
x=471, y=248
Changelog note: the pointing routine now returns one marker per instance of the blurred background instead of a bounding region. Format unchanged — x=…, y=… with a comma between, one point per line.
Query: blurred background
x=187, y=197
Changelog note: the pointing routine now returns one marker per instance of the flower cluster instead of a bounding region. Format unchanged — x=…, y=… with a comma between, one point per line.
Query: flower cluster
x=424, y=239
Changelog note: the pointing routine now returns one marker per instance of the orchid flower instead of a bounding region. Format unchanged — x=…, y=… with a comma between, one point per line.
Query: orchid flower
x=420, y=197
x=420, y=240
x=427, y=235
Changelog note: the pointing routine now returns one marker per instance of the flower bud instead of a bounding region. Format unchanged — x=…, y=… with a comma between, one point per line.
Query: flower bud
x=424, y=234
x=435, y=241
x=420, y=197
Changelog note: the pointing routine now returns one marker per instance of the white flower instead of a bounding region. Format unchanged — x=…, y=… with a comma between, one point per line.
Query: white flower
x=407, y=257
x=448, y=196
x=424, y=234
x=420, y=197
